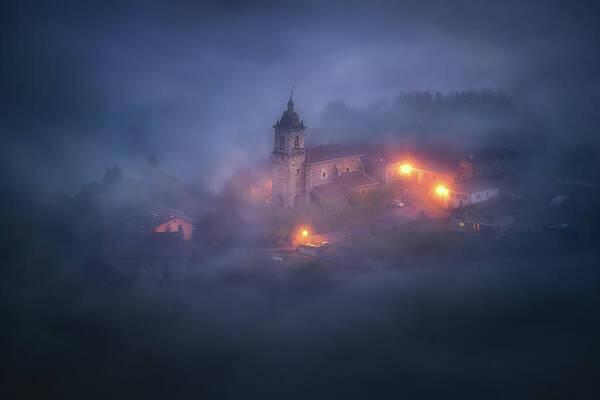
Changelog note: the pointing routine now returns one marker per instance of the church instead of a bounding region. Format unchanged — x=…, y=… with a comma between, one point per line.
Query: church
x=313, y=174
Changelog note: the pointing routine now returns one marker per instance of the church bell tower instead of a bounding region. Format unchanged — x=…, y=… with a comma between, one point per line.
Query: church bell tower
x=288, y=170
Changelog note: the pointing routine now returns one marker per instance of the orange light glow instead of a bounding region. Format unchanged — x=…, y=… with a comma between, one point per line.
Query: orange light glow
x=305, y=233
x=406, y=169
x=442, y=191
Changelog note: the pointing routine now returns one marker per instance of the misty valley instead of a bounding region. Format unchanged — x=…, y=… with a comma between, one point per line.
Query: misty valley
x=300, y=200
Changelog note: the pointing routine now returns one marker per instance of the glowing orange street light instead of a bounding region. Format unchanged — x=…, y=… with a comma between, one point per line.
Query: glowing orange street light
x=406, y=169
x=442, y=191
x=305, y=233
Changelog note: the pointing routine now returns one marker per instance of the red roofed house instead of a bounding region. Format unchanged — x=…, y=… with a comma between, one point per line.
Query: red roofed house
x=162, y=220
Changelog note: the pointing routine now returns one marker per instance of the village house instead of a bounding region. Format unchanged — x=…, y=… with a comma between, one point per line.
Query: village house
x=163, y=221
x=470, y=192
x=481, y=218
x=155, y=243
x=388, y=166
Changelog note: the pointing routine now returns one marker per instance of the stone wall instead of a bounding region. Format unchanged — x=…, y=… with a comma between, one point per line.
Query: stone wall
x=288, y=171
x=332, y=169
x=288, y=175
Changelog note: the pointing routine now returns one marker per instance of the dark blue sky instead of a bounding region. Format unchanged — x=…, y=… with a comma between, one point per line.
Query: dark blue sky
x=199, y=85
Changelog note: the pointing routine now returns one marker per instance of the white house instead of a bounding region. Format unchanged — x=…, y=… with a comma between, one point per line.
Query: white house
x=471, y=192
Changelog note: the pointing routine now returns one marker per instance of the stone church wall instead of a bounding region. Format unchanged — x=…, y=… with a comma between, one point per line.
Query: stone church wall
x=332, y=169
x=288, y=178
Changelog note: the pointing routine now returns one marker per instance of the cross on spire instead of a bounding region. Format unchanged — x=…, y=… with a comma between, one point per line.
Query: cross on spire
x=290, y=104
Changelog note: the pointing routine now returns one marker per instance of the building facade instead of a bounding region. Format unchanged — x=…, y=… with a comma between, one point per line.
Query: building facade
x=288, y=170
x=301, y=175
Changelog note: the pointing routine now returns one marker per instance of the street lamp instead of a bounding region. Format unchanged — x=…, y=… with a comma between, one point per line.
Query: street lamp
x=442, y=191
x=405, y=169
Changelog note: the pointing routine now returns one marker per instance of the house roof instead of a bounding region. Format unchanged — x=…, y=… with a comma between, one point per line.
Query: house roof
x=473, y=186
x=356, y=179
x=331, y=152
x=427, y=160
x=343, y=187
x=289, y=119
x=151, y=217
x=332, y=191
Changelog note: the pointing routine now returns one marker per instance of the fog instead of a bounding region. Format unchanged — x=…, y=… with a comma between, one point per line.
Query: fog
x=113, y=108
x=88, y=86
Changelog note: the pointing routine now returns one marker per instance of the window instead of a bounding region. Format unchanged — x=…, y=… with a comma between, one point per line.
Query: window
x=297, y=171
x=296, y=141
x=478, y=196
x=281, y=142
x=347, y=169
x=323, y=172
x=298, y=184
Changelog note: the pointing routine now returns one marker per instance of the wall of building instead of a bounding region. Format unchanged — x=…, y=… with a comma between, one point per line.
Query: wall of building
x=466, y=224
x=332, y=169
x=289, y=140
x=390, y=172
x=459, y=199
x=424, y=176
x=288, y=174
x=288, y=170
x=483, y=195
x=382, y=173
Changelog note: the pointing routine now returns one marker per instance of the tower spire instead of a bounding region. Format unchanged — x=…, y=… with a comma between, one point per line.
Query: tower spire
x=290, y=103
